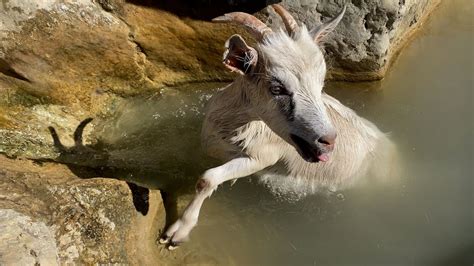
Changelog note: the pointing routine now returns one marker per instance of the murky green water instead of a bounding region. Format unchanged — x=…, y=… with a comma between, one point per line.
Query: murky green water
x=425, y=103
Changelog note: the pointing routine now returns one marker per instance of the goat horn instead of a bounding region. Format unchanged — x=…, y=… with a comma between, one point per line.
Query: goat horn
x=290, y=23
x=256, y=27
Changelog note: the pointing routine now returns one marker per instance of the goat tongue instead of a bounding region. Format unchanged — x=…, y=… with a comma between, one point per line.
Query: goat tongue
x=323, y=157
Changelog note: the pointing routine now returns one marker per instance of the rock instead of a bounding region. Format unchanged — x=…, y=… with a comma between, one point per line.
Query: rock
x=50, y=216
x=62, y=52
x=24, y=241
x=368, y=38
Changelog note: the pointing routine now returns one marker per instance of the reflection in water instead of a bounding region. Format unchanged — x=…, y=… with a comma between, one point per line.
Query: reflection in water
x=425, y=104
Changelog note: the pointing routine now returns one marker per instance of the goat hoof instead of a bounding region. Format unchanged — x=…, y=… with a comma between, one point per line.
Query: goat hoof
x=164, y=240
x=173, y=245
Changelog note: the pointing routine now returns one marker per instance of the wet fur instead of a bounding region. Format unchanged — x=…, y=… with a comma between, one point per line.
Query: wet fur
x=249, y=127
x=233, y=128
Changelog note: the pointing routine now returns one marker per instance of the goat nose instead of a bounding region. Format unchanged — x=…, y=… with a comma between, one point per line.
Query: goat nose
x=328, y=139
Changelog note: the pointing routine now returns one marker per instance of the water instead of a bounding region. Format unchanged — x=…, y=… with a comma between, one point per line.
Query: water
x=424, y=219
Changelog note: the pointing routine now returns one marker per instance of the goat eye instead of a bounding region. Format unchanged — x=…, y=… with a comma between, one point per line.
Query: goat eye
x=278, y=90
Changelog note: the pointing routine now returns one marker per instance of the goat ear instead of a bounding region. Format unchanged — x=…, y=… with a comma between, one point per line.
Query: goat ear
x=320, y=32
x=238, y=56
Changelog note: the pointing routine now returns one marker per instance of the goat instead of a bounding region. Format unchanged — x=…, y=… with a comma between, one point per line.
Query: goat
x=275, y=121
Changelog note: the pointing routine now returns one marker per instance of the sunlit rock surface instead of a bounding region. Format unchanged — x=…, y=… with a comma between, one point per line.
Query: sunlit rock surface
x=49, y=215
x=62, y=51
x=24, y=241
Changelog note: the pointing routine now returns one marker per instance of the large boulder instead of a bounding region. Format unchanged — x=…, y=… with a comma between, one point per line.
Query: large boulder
x=48, y=215
x=62, y=51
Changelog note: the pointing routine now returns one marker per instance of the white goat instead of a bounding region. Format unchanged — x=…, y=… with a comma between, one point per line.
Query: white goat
x=275, y=121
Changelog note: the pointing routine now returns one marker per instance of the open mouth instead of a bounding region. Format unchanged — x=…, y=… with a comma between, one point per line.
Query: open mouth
x=310, y=152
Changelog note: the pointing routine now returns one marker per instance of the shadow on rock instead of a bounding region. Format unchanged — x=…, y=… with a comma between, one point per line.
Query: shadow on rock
x=205, y=9
x=92, y=161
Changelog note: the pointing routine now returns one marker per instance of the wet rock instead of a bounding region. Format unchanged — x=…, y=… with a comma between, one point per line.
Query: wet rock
x=368, y=38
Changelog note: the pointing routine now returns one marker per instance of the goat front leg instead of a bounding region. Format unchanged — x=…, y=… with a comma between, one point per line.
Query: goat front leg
x=178, y=232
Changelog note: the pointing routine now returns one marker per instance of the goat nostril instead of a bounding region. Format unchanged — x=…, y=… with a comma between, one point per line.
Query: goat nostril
x=328, y=140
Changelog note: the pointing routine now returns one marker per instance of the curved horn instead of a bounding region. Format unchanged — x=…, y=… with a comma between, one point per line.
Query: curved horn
x=290, y=23
x=256, y=27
